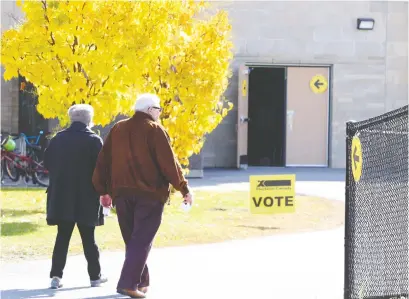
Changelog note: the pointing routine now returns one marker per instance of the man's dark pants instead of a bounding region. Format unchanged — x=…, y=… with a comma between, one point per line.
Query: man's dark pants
x=62, y=242
x=139, y=219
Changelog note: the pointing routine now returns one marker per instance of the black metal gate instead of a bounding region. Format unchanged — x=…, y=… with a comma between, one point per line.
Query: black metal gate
x=376, y=220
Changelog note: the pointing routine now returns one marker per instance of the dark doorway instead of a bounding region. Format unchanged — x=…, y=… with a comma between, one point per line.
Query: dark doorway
x=266, y=127
x=31, y=122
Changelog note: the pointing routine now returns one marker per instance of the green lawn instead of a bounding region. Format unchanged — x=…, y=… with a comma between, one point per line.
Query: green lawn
x=215, y=217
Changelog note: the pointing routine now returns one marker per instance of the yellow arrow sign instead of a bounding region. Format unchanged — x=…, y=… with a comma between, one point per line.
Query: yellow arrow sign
x=356, y=158
x=318, y=84
x=244, y=88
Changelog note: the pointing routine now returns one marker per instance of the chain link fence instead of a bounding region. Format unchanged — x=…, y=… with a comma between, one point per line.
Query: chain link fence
x=376, y=220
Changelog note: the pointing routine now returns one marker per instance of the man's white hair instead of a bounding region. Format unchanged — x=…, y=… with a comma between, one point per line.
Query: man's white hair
x=82, y=113
x=145, y=101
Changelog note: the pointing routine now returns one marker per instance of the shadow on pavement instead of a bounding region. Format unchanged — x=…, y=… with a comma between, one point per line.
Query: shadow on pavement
x=259, y=227
x=115, y=296
x=216, y=176
x=36, y=293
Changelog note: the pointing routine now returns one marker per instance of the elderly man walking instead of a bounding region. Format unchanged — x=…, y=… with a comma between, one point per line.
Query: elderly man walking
x=133, y=173
x=71, y=198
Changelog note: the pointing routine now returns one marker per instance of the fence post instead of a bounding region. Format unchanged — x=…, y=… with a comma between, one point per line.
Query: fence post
x=347, y=293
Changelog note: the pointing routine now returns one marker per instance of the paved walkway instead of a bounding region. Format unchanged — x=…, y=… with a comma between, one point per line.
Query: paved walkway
x=308, y=265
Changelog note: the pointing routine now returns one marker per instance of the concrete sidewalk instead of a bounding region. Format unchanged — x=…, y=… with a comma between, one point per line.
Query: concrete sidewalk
x=306, y=265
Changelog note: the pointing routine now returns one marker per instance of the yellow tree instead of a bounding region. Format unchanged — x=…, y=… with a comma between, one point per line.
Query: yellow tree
x=105, y=53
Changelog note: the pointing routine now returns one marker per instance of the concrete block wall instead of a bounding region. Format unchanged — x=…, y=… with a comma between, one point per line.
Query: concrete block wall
x=369, y=68
x=9, y=105
x=397, y=55
x=9, y=90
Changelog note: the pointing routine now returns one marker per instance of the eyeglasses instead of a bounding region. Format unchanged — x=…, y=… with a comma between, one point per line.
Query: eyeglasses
x=158, y=108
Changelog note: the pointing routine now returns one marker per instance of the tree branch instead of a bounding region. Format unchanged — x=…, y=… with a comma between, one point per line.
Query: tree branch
x=90, y=46
x=64, y=69
x=89, y=90
x=81, y=69
x=45, y=10
x=52, y=43
x=105, y=81
x=75, y=43
x=17, y=20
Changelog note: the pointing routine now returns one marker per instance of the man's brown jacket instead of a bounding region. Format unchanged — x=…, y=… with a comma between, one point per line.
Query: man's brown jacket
x=137, y=159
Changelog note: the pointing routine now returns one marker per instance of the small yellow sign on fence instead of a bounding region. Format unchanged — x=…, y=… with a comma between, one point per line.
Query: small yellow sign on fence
x=356, y=158
x=272, y=194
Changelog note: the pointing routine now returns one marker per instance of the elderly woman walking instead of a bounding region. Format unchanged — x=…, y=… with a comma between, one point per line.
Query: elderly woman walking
x=71, y=198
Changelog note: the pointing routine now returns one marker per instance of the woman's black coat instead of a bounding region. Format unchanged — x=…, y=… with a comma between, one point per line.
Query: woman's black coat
x=70, y=159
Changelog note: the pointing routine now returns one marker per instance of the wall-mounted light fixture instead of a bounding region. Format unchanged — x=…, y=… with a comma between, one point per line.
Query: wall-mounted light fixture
x=365, y=24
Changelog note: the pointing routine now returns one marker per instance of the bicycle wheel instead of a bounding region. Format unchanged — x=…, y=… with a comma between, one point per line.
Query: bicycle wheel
x=2, y=170
x=40, y=173
x=11, y=170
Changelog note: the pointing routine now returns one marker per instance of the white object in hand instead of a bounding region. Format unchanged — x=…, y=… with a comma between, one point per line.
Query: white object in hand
x=185, y=206
x=106, y=211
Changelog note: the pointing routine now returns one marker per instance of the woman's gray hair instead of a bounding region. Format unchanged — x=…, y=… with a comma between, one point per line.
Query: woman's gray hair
x=83, y=113
x=146, y=101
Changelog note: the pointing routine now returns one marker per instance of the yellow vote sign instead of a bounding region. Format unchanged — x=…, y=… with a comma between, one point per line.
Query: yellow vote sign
x=272, y=194
x=318, y=84
x=356, y=158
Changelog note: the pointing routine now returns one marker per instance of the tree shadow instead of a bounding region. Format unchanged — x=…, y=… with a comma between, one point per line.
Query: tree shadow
x=114, y=296
x=19, y=213
x=18, y=228
x=228, y=209
x=218, y=209
x=36, y=293
x=259, y=227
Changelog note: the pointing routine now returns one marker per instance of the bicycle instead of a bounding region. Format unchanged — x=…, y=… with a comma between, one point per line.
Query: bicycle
x=32, y=148
x=6, y=146
x=2, y=165
x=18, y=165
x=27, y=138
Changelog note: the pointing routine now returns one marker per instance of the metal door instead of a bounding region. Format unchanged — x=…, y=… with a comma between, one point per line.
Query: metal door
x=307, y=116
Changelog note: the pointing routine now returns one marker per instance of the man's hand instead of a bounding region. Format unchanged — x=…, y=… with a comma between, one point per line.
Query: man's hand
x=188, y=198
x=106, y=201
